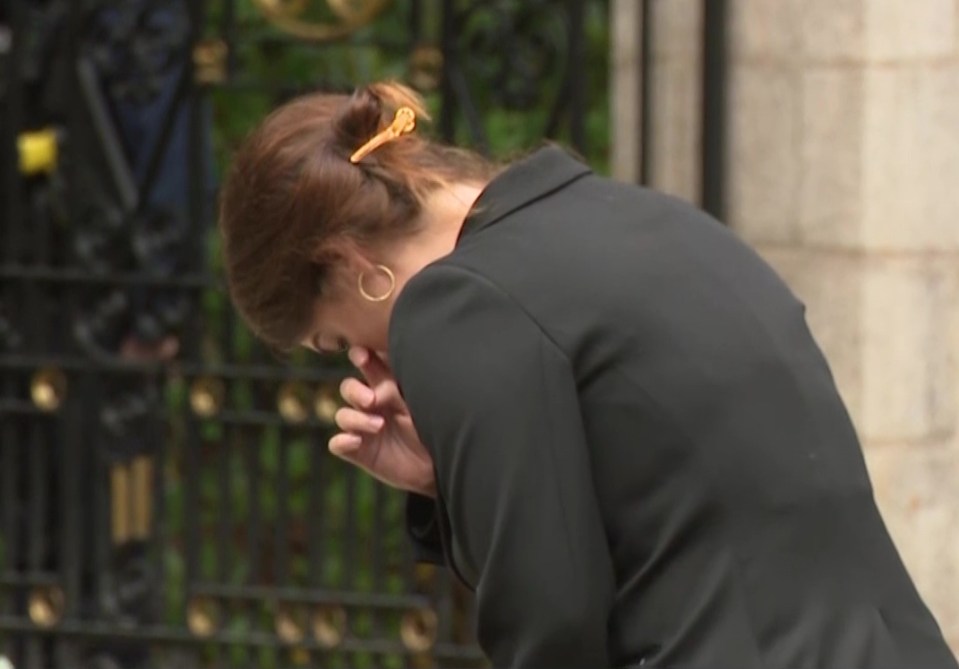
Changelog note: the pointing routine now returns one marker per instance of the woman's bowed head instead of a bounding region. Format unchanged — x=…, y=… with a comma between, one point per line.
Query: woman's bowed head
x=330, y=206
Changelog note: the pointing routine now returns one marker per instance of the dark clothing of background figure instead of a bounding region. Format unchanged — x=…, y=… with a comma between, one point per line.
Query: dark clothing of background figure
x=641, y=455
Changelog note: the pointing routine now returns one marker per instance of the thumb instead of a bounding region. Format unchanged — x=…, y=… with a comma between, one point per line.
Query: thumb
x=377, y=375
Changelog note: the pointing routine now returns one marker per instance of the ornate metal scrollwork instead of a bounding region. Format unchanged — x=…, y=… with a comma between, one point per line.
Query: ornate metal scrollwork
x=514, y=48
x=136, y=45
x=351, y=15
x=10, y=337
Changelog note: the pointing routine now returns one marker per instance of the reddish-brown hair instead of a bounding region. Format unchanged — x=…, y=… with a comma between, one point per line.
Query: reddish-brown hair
x=292, y=190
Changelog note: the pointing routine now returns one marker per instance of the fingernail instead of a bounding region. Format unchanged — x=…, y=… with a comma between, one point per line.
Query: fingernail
x=367, y=397
x=377, y=421
x=358, y=356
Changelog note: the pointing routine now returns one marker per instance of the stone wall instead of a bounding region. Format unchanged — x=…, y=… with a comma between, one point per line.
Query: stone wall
x=843, y=170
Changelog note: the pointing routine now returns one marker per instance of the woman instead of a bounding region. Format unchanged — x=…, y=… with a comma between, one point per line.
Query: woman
x=626, y=440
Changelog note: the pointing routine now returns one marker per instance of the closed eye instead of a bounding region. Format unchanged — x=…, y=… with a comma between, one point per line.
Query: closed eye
x=330, y=346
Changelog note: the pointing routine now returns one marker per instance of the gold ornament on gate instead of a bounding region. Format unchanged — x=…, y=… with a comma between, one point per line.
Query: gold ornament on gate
x=206, y=396
x=326, y=404
x=38, y=151
x=293, y=401
x=45, y=606
x=349, y=16
x=209, y=61
x=202, y=617
x=426, y=67
x=329, y=625
x=418, y=630
x=290, y=623
x=48, y=389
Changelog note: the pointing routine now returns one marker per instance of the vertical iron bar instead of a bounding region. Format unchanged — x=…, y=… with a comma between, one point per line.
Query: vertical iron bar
x=224, y=507
x=100, y=509
x=447, y=120
x=228, y=33
x=251, y=448
x=349, y=531
x=36, y=525
x=577, y=74
x=197, y=187
x=377, y=559
x=416, y=22
x=645, y=91
x=191, y=502
x=70, y=557
x=10, y=476
x=714, y=108
x=316, y=518
x=282, y=528
x=12, y=124
x=160, y=528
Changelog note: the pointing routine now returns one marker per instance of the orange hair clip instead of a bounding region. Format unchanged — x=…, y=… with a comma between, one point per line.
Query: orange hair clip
x=404, y=120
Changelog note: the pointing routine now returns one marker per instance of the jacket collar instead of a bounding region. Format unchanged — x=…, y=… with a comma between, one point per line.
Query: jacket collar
x=532, y=178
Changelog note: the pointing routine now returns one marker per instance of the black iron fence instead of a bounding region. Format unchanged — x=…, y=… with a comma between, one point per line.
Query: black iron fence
x=166, y=499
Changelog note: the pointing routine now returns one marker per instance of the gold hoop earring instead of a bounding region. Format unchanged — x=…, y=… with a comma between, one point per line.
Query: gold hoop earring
x=389, y=291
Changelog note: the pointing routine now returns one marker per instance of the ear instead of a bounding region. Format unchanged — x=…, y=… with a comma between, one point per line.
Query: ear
x=345, y=254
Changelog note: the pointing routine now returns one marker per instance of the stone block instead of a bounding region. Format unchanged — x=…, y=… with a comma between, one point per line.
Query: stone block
x=833, y=30
x=830, y=211
x=909, y=358
x=764, y=141
x=677, y=26
x=766, y=30
x=917, y=29
x=911, y=157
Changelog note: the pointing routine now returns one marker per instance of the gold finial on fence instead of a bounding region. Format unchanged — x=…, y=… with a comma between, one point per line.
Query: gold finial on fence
x=351, y=15
x=418, y=630
x=206, y=396
x=329, y=625
x=48, y=389
x=45, y=606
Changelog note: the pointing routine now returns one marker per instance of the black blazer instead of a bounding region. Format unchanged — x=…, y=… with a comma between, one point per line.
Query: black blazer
x=641, y=456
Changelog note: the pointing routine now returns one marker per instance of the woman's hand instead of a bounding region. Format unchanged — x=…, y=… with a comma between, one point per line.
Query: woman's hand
x=377, y=430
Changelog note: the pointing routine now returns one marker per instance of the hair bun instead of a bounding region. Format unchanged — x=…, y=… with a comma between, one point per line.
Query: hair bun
x=359, y=120
x=370, y=109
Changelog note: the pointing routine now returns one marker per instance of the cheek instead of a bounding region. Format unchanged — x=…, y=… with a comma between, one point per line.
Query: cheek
x=372, y=327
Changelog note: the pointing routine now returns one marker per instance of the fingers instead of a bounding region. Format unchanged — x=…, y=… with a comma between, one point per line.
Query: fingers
x=370, y=365
x=345, y=445
x=378, y=375
x=357, y=394
x=358, y=422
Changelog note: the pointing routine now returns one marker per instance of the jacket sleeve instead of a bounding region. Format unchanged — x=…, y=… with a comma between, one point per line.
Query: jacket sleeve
x=496, y=403
x=422, y=526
